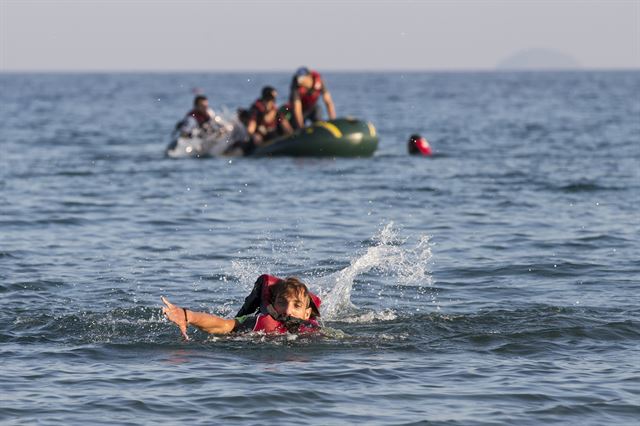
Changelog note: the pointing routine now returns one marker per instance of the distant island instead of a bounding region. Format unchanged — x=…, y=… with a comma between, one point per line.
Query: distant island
x=539, y=59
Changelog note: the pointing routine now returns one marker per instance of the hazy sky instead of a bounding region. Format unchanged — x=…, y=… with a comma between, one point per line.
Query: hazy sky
x=327, y=35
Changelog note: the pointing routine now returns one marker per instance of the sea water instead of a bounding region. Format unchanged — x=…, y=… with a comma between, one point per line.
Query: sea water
x=495, y=283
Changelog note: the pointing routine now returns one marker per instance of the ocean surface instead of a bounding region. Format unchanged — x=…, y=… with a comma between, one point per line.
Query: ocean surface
x=495, y=283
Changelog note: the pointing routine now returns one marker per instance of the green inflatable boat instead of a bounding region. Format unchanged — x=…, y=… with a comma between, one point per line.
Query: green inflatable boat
x=342, y=137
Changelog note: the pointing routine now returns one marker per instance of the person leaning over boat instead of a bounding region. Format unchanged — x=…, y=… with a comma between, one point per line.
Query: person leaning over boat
x=200, y=117
x=265, y=121
x=306, y=87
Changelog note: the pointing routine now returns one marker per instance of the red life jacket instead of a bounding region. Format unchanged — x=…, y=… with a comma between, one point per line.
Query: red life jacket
x=259, y=299
x=309, y=97
x=259, y=110
x=267, y=324
x=201, y=117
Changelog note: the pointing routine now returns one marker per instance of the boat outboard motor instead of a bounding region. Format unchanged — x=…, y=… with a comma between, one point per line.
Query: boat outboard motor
x=418, y=145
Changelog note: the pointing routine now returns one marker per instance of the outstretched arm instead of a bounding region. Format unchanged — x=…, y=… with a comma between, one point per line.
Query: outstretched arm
x=206, y=322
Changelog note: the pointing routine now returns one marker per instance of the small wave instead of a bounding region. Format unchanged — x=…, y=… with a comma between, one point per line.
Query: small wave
x=120, y=325
x=587, y=410
x=583, y=186
x=519, y=175
x=369, y=317
x=72, y=220
x=423, y=189
x=154, y=249
x=98, y=204
x=7, y=255
x=48, y=221
x=161, y=222
x=36, y=286
x=525, y=328
x=600, y=238
x=556, y=269
x=211, y=256
x=74, y=173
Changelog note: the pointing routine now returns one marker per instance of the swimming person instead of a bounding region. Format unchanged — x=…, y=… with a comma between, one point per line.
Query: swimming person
x=274, y=306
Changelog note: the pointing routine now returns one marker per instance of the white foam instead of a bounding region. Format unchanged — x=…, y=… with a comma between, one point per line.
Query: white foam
x=389, y=255
x=404, y=260
x=368, y=317
x=246, y=271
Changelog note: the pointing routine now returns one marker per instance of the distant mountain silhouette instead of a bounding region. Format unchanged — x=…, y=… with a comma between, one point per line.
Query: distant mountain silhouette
x=539, y=59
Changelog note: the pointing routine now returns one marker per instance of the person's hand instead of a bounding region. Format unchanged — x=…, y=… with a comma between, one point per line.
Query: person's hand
x=175, y=314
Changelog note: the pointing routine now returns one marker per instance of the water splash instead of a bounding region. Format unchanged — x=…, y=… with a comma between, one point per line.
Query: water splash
x=402, y=261
x=246, y=271
x=269, y=255
x=390, y=256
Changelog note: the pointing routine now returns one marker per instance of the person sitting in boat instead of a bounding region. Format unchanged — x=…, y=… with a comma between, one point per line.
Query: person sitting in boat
x=306, y=87
x=265, y=120
x=201, y=117
x=274, y=306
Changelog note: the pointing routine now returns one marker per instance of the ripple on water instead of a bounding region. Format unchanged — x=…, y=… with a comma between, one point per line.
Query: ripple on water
x=518, y=309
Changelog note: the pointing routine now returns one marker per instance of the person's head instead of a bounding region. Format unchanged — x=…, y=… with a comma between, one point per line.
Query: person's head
x=201, y=103
x=303, y=77
x=290, y=297
x=268, y=96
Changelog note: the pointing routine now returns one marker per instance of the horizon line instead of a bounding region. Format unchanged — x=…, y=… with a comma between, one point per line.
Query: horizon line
x=324, y=70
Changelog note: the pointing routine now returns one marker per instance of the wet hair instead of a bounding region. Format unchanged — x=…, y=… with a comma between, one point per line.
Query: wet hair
x=292, y=287
x=268, y=93
x=199, y=99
